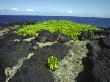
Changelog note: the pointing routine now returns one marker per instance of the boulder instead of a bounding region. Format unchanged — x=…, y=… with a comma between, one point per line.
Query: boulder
x=11, y=50
x=87, y=35
x=101, y=68
x=43, y=36
x=63, y=38
x=101, y=59
x=46, y=36
x=2, y=71
x=105, y=42
x=53, y=37
x=33, y=74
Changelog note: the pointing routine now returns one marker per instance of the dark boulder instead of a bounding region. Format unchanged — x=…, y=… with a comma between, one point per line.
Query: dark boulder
x=107, y=31
x=53, y=37
x=63, y=38
x=14, y=50
x=101, y=59
x=33, y=74
x=83, y=36
x=87, y=35
x=45, y=36
x=105, y=42
x=101, y=68
x=2, y=71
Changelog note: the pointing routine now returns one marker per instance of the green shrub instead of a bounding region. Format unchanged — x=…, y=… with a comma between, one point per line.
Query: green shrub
x=52, y=63
x=66, y=27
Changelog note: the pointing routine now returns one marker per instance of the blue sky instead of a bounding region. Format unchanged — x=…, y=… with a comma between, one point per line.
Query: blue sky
x=85, y=8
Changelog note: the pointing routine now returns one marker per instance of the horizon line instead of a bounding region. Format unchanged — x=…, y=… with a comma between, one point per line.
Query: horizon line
x=52, y=15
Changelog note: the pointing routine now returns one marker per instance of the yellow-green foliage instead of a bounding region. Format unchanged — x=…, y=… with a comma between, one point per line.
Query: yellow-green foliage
x=52, y=63
x=66, y=27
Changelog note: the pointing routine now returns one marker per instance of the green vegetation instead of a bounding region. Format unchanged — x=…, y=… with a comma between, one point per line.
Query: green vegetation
x=66, y=27
x=52, y=63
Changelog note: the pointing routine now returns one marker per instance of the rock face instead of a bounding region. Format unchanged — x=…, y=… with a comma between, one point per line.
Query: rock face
x=16, y=65
x=105, y=43
x=94, y=35
x=101, y=59
x=2, y=73
x=63, y=38
x=72, y=56
x=69, y=56
x=45, y=36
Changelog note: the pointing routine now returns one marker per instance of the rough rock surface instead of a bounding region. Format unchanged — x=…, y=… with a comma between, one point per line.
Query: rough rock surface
x=105, y=42
x=101, y=59
x=2, y=73
x=69, y=56
x=73, y=65
x=17, y=67
x=45, y=36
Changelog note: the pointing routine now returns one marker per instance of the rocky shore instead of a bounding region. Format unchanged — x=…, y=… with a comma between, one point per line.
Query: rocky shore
x=24, y=59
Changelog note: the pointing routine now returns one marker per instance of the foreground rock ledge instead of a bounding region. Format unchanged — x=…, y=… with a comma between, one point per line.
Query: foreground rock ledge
x=69, y=54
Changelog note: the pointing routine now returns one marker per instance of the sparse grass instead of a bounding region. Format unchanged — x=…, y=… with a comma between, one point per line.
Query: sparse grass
x=66, y=27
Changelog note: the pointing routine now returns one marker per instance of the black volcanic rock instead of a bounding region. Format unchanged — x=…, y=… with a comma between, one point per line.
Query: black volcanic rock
x=63, y=38
x=101, y=59
x=107, y=31
x=33, y=74
x=2, y=71
x=35, y=69
x=101, y=68
x=86, y=35
x=45, y=36
x=107, y=41
x=53, y=37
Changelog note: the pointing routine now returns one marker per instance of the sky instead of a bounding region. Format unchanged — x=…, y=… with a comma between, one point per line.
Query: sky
x=82, y=8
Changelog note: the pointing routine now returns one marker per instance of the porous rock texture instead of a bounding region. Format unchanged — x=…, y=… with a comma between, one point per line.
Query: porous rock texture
x=100, y=50
x=45, y=36
x=26, y=60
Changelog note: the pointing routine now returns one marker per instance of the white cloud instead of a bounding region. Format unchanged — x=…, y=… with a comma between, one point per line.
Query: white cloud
x=30, y=10
x=15, y=9
x=70, y=11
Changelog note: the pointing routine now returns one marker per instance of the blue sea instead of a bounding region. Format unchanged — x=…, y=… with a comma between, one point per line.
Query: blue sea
x=100, y=22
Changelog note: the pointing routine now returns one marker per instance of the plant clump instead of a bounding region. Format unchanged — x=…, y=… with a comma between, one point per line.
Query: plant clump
x=52, y=63
x=69, y=28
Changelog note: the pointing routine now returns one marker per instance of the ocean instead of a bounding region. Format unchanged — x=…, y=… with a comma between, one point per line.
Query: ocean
x=100, y=22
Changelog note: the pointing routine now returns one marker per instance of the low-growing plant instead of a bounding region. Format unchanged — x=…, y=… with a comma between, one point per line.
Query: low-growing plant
x=66, y=27
x=52, y=63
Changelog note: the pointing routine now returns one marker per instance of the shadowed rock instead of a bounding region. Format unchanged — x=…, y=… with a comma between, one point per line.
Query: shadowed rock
x=101, y=59
x=104, y=42
x=63, y=38
x=2, y=71
x=45, y=36
x=33, y=74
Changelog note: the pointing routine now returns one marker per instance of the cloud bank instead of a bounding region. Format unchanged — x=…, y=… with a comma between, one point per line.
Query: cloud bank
x=17, y=10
